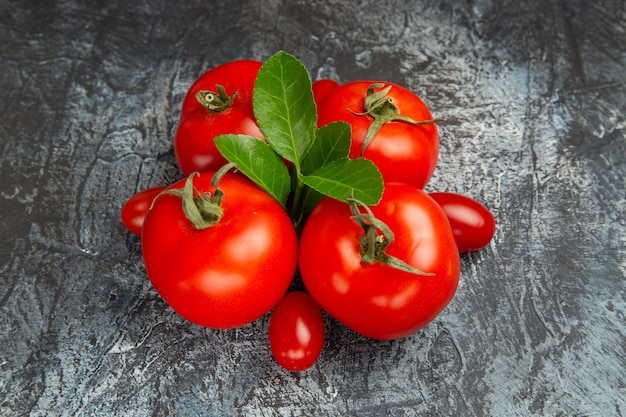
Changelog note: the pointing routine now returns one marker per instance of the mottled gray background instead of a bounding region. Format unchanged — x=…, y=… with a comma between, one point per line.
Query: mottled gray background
x=534, y=92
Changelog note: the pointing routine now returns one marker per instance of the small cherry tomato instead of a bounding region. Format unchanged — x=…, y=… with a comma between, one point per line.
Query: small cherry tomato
x=135, y=209
x=322, y=87
x=296, y=331
x=472, y=224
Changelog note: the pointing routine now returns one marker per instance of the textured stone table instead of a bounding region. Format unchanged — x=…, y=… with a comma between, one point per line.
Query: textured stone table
x=534, y=93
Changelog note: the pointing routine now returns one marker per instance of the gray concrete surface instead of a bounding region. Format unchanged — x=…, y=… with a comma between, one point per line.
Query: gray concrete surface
x=534, y=95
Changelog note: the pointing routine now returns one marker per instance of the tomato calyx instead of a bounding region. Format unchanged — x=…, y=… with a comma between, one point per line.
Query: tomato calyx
x=215, y=102
x=201, y=209
x=382, y=108
x=373, y=245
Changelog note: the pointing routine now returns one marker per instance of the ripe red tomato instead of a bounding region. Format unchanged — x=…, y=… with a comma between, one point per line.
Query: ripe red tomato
x=322, y=87
x=135, y=209
x=403, y=152
x=230, y=273
x=374, y=299
x=296, y=332
x=235, y=76
x=472, y=224
x=193, y=144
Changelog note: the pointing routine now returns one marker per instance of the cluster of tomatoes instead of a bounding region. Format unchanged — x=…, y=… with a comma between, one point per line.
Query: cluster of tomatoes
x=222, y=252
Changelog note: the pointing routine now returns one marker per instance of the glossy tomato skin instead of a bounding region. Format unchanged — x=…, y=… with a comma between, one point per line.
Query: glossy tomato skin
x=376, y=300
x=296, y=332
x=235, y=76
x=403, y=152
x=473, y=225
x=193, y=144
x=194, y=147
x=135, y=208
x=230, y=273
x=322, y=87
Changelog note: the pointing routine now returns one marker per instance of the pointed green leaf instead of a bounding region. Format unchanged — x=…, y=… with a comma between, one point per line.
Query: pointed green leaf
x=284, y=107
x=258, y=162
x=343, y=176
x=331, y=142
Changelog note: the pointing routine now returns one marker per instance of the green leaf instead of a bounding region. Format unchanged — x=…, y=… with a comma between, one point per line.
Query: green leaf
x=258, y=162
x=342, y=177
x=331, y=143
x=284, y=107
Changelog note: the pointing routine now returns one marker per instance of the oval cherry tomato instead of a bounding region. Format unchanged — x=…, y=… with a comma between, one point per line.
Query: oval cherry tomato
x=230, y=273
x=135, y=209
x=193, y=144
x=403, y=152
x=296, y=331
x=322, y=87
x=374, y=299
x=472, y=224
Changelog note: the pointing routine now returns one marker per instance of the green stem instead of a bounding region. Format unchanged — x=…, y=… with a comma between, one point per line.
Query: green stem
x=201, y=209
x=374, y=245
x=215, y=102
x=296, y=204
x=382, y=108
x=218, y=195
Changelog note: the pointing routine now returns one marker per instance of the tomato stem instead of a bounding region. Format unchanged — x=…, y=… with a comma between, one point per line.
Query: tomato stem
x=215, y=102
x=382, y=109
x=218, y=195
x=374, y=245
x=201, y=209
x=296, y=209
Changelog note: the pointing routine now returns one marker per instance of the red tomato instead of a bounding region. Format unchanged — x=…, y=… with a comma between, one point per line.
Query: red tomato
x=230, y=273
x=322, y=87
x=135, y=209
x=472, y=224
x=296, y=332
x=403, y=152
x=374, y=299
x=235, y=76
x=193, y=143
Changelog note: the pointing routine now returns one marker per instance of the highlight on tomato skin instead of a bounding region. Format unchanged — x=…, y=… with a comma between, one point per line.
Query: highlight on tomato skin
x=296, y=332
x=473, y=225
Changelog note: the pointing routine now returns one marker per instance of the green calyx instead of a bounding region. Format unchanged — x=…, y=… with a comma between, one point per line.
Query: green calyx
x=382, y=109
x=202, y=209
x=374, y=245
x=215, y=102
